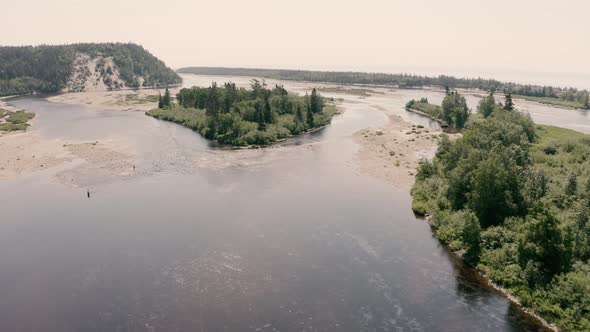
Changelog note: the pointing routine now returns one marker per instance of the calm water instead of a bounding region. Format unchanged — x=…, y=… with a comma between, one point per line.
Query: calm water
x=301, y=243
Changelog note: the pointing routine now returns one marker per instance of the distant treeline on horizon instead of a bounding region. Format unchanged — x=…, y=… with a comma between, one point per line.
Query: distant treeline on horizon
x=400, y=80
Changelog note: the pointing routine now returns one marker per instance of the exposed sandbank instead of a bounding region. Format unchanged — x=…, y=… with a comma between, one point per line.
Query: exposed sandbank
x=392, y=153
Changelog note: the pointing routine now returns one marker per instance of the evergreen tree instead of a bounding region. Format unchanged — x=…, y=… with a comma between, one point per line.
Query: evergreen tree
x=315, y=102
x=267, y=111
x=259, y=113
x=310, y=122
x=160, y=101
x=299, y=115
x=213, y=100
x=166, y=100
x=508, y=104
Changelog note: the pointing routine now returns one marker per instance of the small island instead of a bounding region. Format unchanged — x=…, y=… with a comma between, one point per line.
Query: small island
x=243, y=117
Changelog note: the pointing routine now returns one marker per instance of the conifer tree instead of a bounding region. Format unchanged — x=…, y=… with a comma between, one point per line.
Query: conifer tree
x=508, y=104
x=166, y=100
x=267, y=111
x=259, y=115
x=310, y=117
x=315, y=102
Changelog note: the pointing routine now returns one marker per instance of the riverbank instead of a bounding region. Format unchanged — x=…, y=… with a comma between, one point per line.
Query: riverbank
x=490, y=282
x=439, y=121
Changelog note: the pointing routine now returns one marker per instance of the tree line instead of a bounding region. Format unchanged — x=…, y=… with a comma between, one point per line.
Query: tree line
x=402, y=80
x=238, y=116
x=46, y=69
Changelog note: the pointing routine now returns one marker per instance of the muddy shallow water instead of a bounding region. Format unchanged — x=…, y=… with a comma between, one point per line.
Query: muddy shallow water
x=291, y=238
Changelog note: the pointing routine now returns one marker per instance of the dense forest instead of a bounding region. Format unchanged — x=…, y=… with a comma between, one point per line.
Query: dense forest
x=576, y=98
x=47, y=69
x=239, y=116
x=514, y=199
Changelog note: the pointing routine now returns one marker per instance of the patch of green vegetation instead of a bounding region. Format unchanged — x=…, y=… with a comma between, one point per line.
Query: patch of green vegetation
x=514, y=199
x=135, y=99
x=20, y=117
x=351, y=91
x=434, y=111
x=554, y=101
x=15, y=120
x=242, y=117
x=13, y=126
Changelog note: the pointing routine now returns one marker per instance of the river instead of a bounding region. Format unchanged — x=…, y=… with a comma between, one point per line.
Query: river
x=301, y=241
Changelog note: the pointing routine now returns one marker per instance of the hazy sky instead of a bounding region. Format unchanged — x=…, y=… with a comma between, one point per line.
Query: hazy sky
x=507, y=39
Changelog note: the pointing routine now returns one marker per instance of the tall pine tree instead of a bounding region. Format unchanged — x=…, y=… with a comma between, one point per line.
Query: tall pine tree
x=267, y=111
x=166, y=100
x=315, y=102
x=310, y=122
x=508, y=104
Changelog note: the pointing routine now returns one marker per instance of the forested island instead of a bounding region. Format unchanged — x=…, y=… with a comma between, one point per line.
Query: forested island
x=560, y=96
x=80, y=67
x=241, y=117
x=513, y=198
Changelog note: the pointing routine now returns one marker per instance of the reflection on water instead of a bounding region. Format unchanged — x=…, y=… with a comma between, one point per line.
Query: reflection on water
x=302, y=243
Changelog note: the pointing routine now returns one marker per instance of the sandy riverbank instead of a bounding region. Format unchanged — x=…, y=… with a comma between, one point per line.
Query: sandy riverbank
x=26, y=152
x=120, y=100
x=392, y=153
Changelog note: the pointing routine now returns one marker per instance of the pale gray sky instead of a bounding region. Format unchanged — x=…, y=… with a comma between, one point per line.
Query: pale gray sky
x=535, y=40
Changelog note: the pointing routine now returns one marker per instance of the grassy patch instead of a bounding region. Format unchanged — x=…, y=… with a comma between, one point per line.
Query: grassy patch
x=135, y=99
x=13, y=126
x=15, y=120
x=20, y=117
x=351, y=91
x=552, y=101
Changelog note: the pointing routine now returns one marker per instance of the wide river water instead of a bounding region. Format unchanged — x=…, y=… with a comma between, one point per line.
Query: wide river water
x=299, y=242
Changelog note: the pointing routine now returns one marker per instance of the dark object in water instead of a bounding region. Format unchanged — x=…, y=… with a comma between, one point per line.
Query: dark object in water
x=88, y=193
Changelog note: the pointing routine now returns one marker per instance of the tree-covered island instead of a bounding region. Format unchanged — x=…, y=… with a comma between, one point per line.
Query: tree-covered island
x=241, y=117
